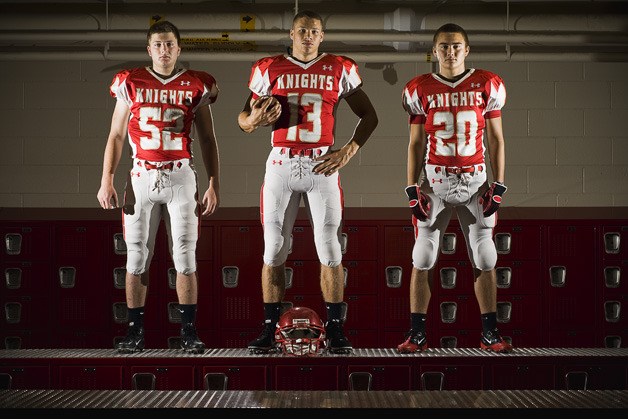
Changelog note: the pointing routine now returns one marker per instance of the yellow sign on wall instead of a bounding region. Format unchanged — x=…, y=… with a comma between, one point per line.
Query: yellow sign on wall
x=247, y=23
x=155, y=19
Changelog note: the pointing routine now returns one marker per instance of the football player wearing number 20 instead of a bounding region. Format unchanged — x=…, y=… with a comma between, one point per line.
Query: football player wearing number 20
x=448, y=114
x=156, y=107
x=302, y=164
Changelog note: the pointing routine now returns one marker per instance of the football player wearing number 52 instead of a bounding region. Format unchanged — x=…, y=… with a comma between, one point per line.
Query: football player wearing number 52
x=448, y=113
x=308, y=86
x=157, y=106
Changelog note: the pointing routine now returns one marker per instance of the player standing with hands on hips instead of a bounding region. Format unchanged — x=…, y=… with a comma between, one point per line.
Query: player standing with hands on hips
x=305, y=87
x=157, y=106
x=448, y=113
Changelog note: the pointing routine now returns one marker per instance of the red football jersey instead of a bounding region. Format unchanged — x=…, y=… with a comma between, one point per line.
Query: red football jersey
x=162, y=110
x=308, y=93
x=454, y=114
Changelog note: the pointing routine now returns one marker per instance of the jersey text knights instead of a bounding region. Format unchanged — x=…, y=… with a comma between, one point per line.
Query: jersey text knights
x=162, y=110
x=309, y=94
x=454, y=114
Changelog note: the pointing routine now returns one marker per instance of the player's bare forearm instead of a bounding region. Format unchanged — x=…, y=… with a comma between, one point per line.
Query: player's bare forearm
x=416, y=153
x=496, y=148
x=261, y=112
x=107, y=196
x=361, y=105
x=246, y=123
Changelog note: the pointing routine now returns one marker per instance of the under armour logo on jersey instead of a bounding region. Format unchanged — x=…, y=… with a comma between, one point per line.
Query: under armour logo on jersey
x=327, y=67
x=187, y=83
x=437, y=180
x=279, y=162
x=135, y=174
x=474, y=85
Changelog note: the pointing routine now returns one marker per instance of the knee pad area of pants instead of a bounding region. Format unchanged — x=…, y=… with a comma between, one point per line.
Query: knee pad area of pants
x=328, y=246
x=184, y=256
x=276, y=250
x=331, y=256
x=485, y=256
x=424, y=254
x=331, y=263
x=136, y=256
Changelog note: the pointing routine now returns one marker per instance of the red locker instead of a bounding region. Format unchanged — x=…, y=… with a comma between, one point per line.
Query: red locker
x=598, y=376
x=523, y=376
x=26, y=241
x=385, y=377
x=205, y=247
x=28, y=377
x=302, y=242
x=89, y=377
x=306, y=377
x=569, y=285
x=455, y=377
x=394, y=278
x=302, y=276
x=360, y=242
x=167, y=377
x=518, y=240
x=361, y=276
x=240, y=295
x=453, y=277
x=518, y=276
x=614, y=242
x=241, y=377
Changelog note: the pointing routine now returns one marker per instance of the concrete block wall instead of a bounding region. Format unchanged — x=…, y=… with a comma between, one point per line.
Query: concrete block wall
x=564, y=124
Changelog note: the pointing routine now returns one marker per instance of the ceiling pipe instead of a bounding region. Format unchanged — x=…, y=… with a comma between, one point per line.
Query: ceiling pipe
x=478, y=37
x=400, y=33
x=360, y=57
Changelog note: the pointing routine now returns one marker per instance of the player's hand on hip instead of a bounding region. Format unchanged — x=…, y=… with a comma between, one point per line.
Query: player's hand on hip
x=492, y=198
x=331, y=162
x=418, y=202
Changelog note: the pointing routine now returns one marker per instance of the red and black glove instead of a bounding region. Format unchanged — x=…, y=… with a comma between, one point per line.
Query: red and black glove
x=492, y=198
x=419, y=202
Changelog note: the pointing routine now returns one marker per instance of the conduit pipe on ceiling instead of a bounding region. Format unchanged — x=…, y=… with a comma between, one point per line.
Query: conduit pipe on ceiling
x=360, y=57
x=484, y=38
x=400, y=19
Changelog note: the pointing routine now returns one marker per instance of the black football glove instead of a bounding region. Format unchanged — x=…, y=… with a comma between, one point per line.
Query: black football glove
x=492, y=198
x=419, y=202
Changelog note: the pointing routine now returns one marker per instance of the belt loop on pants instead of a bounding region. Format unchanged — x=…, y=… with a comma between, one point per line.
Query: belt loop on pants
x=454, y=170
x=151, y=166
x=302, y=152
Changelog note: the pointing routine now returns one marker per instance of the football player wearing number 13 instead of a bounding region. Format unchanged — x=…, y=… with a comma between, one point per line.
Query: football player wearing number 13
x=156, y=107
x=308, y=86
x=448, y=113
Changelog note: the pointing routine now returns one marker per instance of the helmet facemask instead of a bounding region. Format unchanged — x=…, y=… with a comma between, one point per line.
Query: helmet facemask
x=300, y=332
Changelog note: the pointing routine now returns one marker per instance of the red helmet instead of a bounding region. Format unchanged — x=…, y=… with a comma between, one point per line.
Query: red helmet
x=300, y=332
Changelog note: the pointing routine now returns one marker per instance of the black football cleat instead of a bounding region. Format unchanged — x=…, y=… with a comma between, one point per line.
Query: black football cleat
x=189, y=340
x=132, y=342
x=265, y=342
x=415, y=342
x=337, y=342
x=493, y=342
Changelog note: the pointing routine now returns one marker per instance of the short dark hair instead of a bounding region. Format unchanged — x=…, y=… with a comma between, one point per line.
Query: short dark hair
x=308, y=14
x=451, y=28
x=163, y=26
